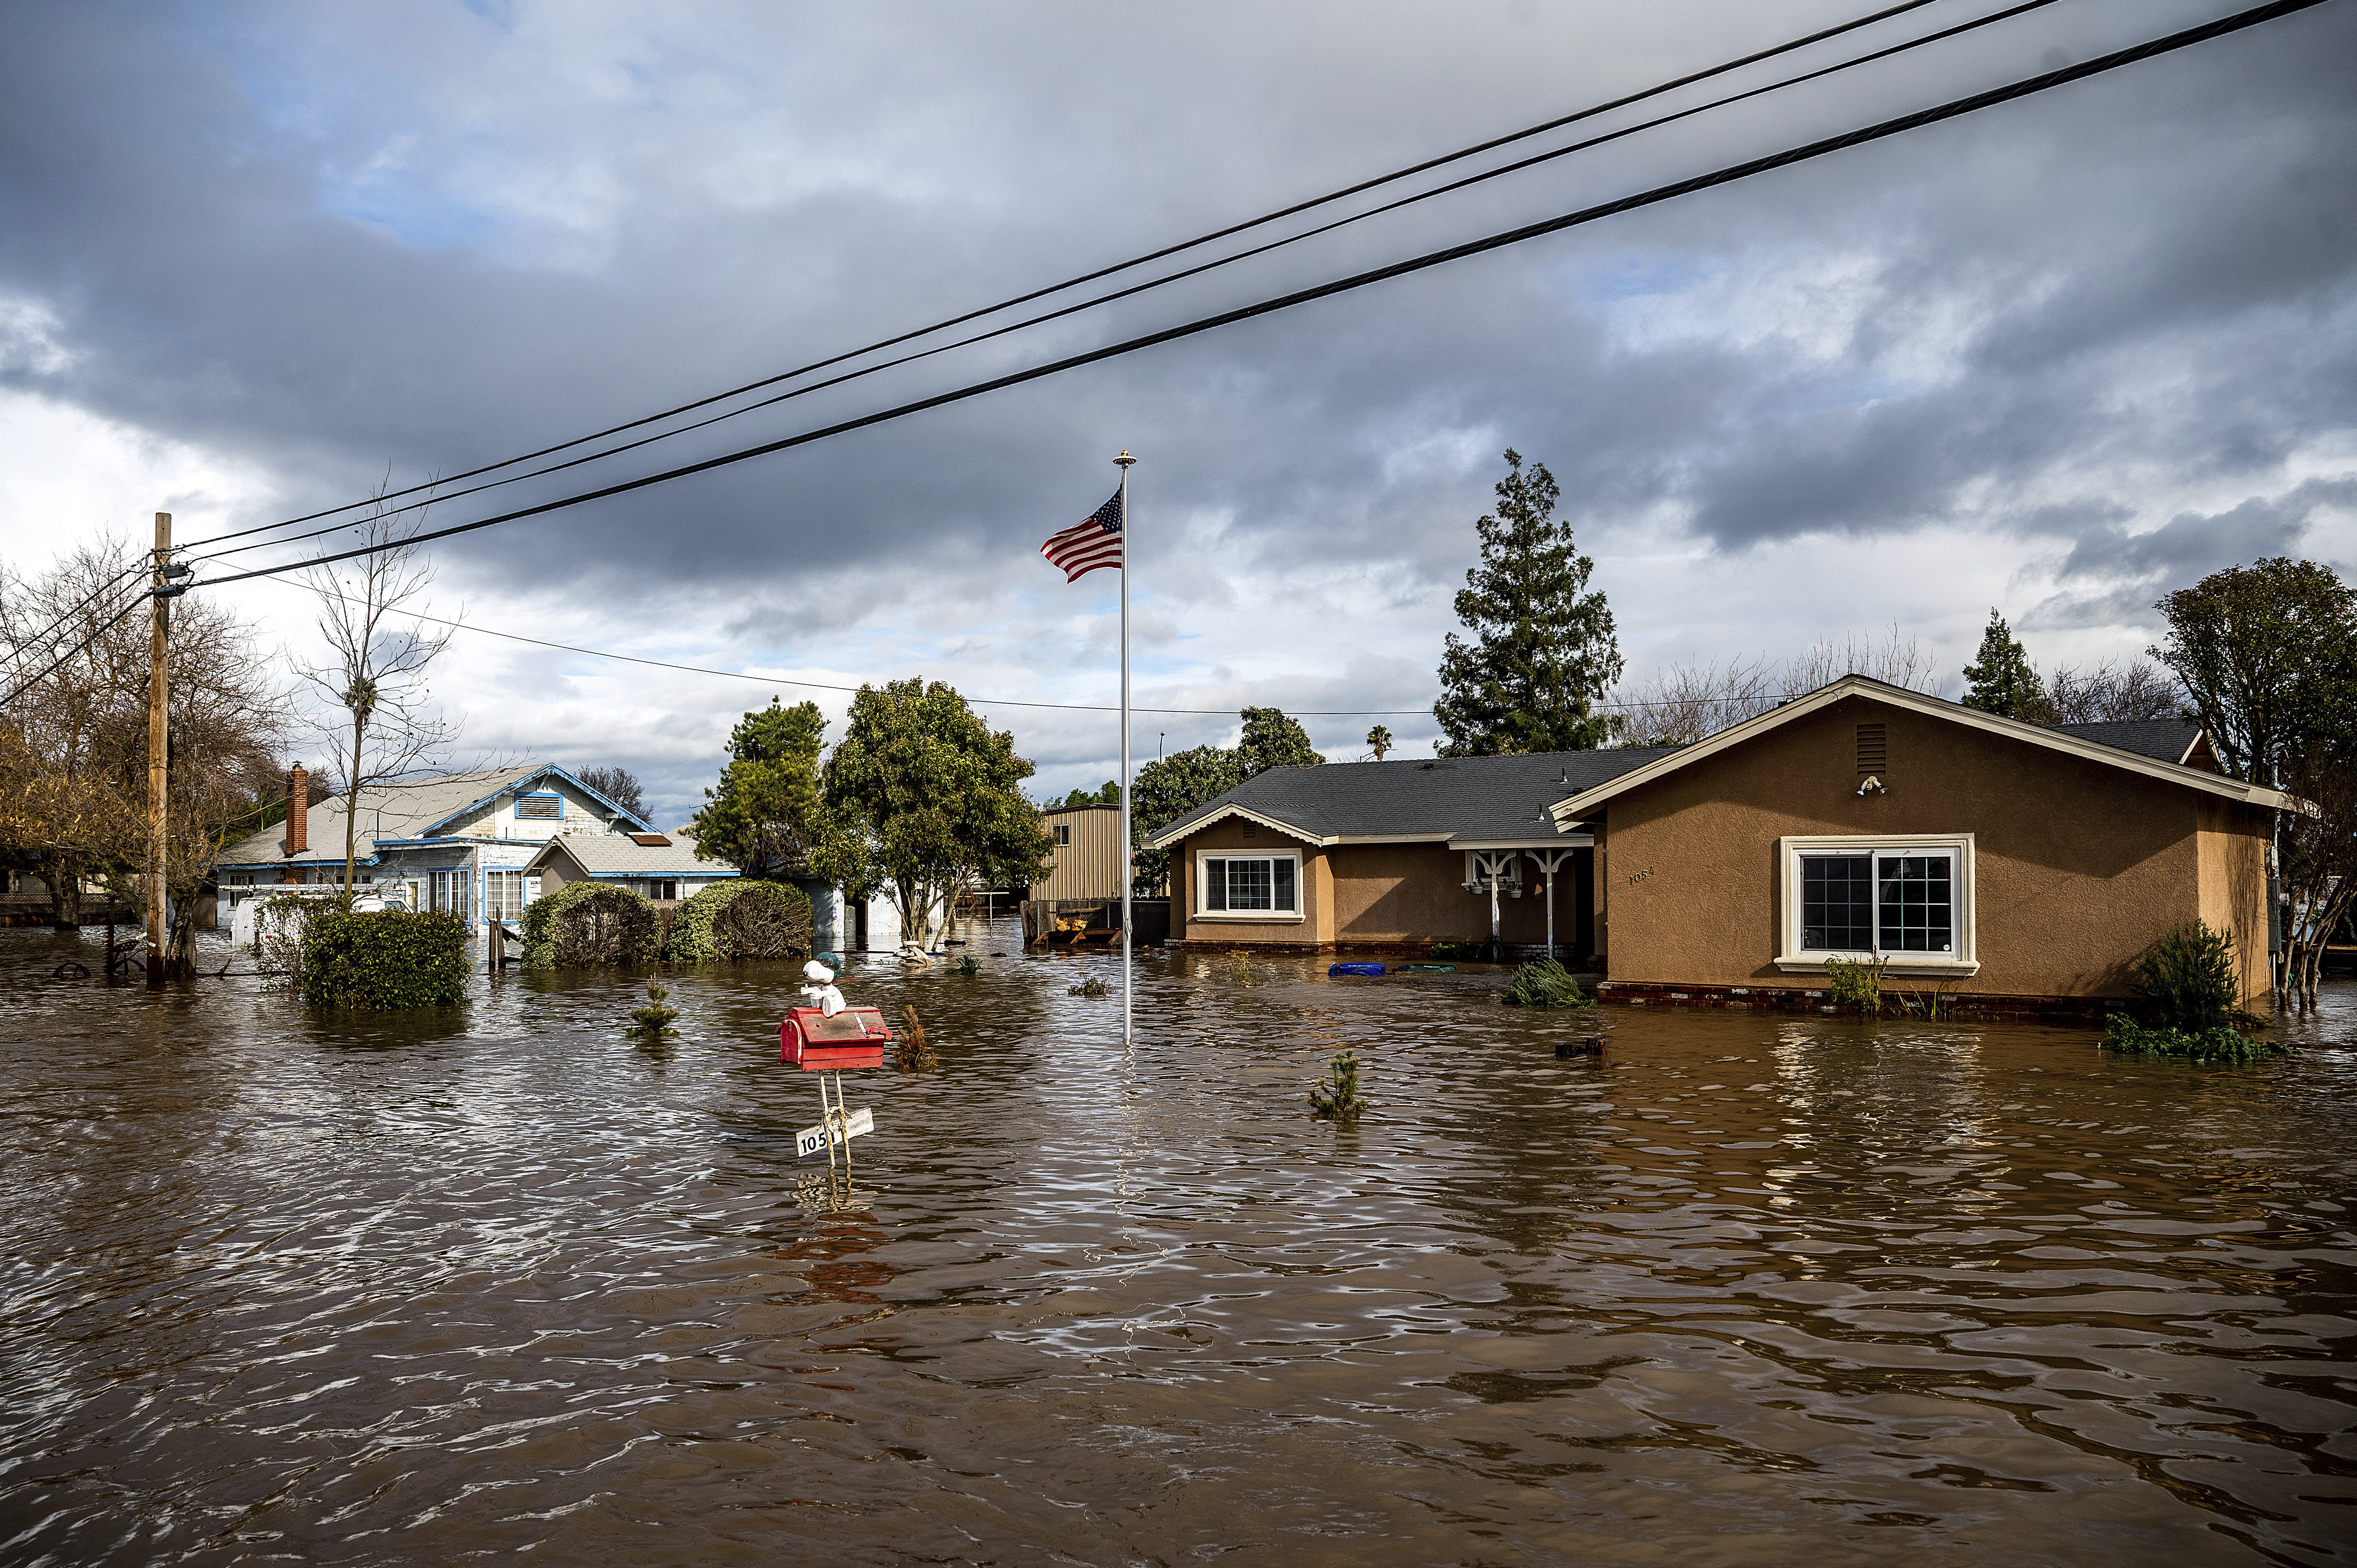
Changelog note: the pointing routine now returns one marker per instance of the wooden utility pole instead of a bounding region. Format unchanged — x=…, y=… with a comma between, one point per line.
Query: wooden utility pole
x=158, y=749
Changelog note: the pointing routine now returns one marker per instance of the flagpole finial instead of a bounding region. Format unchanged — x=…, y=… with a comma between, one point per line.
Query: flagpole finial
x=1125, y=459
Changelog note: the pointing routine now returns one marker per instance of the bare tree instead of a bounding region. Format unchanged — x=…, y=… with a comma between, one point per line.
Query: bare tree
x=2317, y=845
x=2134, y=689
x=1686, y=702
x=73, y=750
x=1897, y=659
x=375, y=670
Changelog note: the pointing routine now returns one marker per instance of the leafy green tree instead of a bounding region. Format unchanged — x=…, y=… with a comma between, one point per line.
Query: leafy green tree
x=1109, y=795
x=1380, y=740
x=1169, y=789
x=1272, y=740
x=1544, y=650
x=2002, y=681
x=764, y=816
x=2267, y=654
x=921, y=796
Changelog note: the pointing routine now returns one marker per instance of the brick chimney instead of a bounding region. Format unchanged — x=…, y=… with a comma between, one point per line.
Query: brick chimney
x=298, y=810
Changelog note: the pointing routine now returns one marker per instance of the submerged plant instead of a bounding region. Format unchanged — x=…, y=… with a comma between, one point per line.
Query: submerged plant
x=1336, y=1097
x=1092, y=986
x=1856, y=983
x=654, y=1020
x=1241, y=963
x=2219, y=1043
x=969, y=965
x=2188, y=983
x=911, y=1052
x=1545, y=983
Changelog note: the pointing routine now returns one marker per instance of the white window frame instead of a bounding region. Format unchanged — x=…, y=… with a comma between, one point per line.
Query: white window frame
x=1792, y=958
x=1263, y=917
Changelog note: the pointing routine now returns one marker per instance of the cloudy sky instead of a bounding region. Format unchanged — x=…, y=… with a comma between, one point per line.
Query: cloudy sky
x=2055, y=358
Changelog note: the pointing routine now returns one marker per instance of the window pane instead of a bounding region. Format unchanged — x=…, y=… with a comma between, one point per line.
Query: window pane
x=1914, y=903
x=1215, y=885
x=1248, y=885
x=1836, y=903
x=1284, y=881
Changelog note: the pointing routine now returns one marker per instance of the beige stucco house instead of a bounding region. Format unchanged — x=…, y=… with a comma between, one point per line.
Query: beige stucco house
x=2016, y=865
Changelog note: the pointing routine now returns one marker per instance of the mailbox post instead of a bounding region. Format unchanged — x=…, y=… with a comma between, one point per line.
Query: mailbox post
x=853, y=1040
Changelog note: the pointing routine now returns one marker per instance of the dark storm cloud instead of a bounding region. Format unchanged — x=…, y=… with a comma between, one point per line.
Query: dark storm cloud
x=271, y=232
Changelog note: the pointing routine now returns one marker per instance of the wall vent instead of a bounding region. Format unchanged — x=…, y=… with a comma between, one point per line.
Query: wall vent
x=1252, y=830
x=1873, y=750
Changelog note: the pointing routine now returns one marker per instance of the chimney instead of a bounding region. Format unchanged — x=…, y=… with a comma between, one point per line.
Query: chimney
x=298, y=810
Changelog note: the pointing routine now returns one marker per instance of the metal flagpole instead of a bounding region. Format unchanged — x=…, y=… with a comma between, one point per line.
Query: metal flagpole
x=1124, y=861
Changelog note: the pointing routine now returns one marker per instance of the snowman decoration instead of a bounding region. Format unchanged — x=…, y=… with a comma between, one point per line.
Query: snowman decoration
x=819, y=989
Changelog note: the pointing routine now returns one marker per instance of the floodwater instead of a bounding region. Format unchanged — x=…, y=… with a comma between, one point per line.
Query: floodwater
x=1751, y=1290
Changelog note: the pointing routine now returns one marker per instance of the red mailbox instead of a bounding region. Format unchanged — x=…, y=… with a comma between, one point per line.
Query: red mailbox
x=855, y=1038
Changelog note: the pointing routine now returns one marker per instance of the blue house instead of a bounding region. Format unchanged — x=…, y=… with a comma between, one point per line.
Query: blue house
x=462, y=842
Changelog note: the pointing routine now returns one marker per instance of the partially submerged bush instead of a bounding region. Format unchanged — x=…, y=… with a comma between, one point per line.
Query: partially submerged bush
x=741, y=919
x=2219, y=1043
x=585, y=924
x=1336, y=1097
x=654, y=1020
x=1545, y=983
x=280, y=922
x=385, y=961
x=2188, y=982
x=1856, y=983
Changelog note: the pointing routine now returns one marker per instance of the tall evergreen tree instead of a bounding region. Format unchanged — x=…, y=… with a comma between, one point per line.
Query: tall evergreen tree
x=2002, y=681
x=1543, y=650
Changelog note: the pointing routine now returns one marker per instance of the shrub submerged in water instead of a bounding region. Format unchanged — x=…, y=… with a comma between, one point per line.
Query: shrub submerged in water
x=2220, y=1044
x=742, y=919
x=586, y=925
x=2189, y=987
x=383, y=961
x=1545, y=983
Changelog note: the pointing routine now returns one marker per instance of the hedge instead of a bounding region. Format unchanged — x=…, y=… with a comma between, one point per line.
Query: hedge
x=741, y=919
x=384, y=960
x=585, y=924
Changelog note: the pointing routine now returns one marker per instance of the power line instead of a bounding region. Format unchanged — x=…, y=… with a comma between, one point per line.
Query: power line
x=1009, y=303
x=49, y=631
x=1728, y=175
x=1014, y=702
x=1168, y=278
x=64, y=658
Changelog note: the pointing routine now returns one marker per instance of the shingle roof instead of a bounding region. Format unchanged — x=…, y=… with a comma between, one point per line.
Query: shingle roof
x=2164, y=740
x=619, y=855
x=408, y=807
x=1470, y=799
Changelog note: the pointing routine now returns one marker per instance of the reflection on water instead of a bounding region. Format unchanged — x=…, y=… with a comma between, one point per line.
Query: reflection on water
x=1746, y=1290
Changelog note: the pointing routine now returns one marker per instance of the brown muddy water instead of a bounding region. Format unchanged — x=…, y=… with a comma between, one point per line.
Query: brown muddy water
x=1752, y=1291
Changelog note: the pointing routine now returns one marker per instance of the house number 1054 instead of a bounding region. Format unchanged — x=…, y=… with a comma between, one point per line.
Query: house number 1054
x=1636, y=876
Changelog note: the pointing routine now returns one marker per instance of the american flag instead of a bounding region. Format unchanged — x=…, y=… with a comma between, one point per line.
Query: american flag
x=1085, y=546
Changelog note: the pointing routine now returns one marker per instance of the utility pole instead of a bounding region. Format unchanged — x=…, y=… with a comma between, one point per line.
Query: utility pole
x=158, y=749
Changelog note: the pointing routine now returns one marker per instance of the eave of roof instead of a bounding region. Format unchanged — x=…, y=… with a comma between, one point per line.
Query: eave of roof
x=1585, y=803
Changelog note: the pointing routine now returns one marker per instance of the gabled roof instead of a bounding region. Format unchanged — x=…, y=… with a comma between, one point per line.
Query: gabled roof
x=397, y=811
x=523, y=781
x=1465, y=800
x=404, y=812
x=1571, y=807
x=620, y=854
x=2166, y=740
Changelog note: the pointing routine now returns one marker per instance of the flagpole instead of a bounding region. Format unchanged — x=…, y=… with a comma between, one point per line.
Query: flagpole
x=1124, y=861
